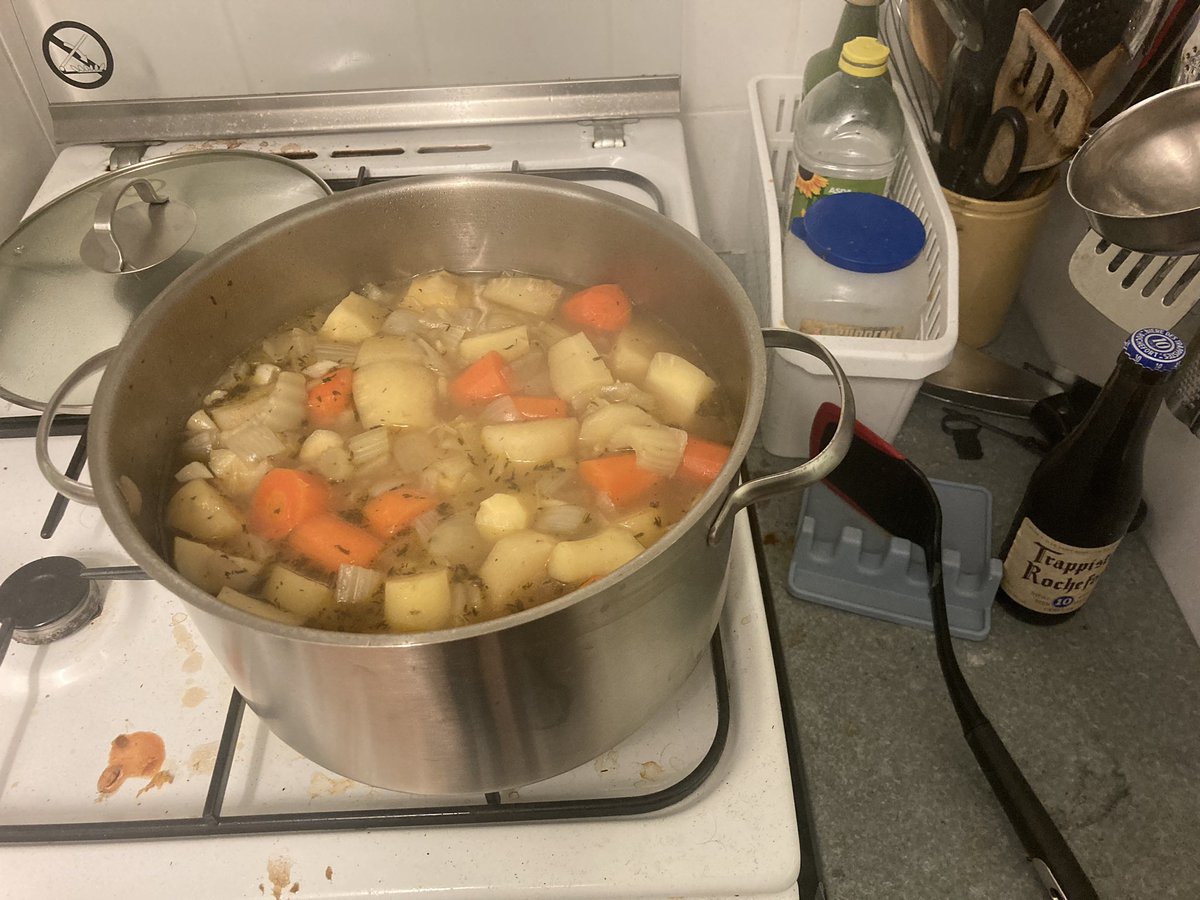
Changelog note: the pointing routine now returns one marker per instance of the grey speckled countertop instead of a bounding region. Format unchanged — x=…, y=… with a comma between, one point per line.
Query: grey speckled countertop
x=1102, y=713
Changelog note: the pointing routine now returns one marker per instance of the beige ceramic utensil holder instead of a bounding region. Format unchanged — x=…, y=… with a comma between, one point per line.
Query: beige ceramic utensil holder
x=994, y=242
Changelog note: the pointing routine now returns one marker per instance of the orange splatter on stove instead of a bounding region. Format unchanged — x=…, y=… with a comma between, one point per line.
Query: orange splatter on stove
x=651, y=771
x=279, y=873
x=136, y=755
x=193, y=662
x=329, y=873
x=194, y=696
x=321, y=785
x=157, y=780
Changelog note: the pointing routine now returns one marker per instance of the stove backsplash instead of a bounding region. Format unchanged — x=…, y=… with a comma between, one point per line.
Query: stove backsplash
x=168, y=50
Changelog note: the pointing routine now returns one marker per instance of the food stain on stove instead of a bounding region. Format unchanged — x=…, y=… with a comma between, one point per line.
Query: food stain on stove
x=136, y=755
x=329, y=873
x=194, y=696
x=193, y=662
x=279, y=873
x=652, y=771
x=607, y=762
x=322, y=785
x=203, y=758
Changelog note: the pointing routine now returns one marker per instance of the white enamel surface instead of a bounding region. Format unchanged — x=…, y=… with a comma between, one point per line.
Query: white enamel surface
x=141, y=666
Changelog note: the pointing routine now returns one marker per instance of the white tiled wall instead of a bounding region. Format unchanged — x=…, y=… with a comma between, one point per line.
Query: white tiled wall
x=233, y=47
x=26, y=150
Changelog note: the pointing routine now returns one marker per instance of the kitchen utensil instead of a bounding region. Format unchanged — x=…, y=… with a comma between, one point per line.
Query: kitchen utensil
x=494, y=704
x=932, y=39
x=1088, y=30
x=79, y=270
x=1183, y=399
x=896, y=495
x=969, y=131
x=979, y=381
x=1137, y=179
x=907, y=67
x=1037, y=80
x=1179, y=22
x=1134, y=290
x=957, y=424
x=1187, y=65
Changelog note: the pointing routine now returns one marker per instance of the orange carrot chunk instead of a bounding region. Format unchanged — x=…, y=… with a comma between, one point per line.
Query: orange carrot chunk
x=540, y=407
x=618, y=477
x=604, y=307
x=393, y=511
x=284, y=499
x=702, y=460
x=330, y=542
x=330, y=397
x=484, y=380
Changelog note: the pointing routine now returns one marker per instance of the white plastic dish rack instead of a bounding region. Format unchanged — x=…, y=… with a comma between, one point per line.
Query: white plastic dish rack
x=885, y=373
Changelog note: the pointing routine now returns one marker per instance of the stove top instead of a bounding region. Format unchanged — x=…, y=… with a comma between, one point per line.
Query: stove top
x=699, y=803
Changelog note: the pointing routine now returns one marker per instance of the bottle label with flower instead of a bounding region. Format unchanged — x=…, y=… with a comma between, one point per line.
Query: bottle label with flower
x=812, y=186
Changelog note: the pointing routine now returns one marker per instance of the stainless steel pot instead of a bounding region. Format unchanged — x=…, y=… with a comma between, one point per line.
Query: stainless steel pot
x=486, y=706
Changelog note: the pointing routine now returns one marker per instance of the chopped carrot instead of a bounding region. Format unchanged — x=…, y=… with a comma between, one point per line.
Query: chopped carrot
x=393, y=511
x=330, y=397
x=484, y=380
x=702, y=459
x=618, y=477
x=284, y=499
x=330, y=542
x=540, y=407
x=604, y=307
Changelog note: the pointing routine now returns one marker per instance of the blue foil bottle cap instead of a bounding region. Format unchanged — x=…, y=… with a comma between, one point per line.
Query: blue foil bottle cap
x=1156, y=349
x=862, y=232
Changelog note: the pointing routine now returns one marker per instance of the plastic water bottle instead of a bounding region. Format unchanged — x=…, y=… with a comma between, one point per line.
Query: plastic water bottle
x=849, y=129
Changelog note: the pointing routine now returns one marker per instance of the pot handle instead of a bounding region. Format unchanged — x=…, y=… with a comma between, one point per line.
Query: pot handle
x=812, y=470
x=68, y=487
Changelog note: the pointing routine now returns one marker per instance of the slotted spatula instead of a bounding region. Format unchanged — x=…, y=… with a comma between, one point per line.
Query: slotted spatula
x=1039, y=81
x=1134, y=290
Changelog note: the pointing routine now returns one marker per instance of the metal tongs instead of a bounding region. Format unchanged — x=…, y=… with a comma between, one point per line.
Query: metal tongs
x=883, y=485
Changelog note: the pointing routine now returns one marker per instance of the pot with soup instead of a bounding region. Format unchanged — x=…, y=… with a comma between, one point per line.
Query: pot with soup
x=443, y=469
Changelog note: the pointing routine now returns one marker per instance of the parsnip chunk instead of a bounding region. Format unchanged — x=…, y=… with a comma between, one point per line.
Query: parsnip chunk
x=531, y=295
x=393, y=392
x=595, y=556
x=679, y=386
x=418, y=602
x=257, y=607
x=502, y=514
x=210, y=569
x=576, y=367
x=517, y=562
x=296, y=593
x=536, y=441
x=510, y=343
x=198, y=509
x=438, y=289
x=353, y=320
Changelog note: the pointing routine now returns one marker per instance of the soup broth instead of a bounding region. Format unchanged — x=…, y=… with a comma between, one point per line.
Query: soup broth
x=443, y=450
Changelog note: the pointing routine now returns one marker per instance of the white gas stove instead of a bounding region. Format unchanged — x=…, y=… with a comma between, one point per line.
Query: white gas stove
x=698, y=803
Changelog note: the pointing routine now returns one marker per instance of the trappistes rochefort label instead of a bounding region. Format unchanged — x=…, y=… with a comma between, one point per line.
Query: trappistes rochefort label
x=1049, y=576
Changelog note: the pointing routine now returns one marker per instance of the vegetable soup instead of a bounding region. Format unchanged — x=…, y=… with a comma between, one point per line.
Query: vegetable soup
x=443, y=450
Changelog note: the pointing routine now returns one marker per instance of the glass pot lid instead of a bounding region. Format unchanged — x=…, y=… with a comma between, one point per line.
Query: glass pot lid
x=77, y=272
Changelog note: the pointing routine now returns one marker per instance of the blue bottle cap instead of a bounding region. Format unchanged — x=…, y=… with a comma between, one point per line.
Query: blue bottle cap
x=1156, y=349
x=862, y=232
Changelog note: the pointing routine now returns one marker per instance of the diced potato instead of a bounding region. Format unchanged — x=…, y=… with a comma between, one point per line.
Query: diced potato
x=516, y=562
x=198, y=509
x=437, y=289
x=211, y=570
x=383, y=347
x=598, y=427
x=451, y=474
x=645, y=524
x=418, y=602
x=531, y=295
x=502, y=514
x=536, y=441
x=393, y=392
x=233, y=475
x=257, y=607
x=317, y=443
x=353, y=320
x=296, y=593
x=679, y=386
x=574, y=561
x=635, y=347
x=575, y=367
x=510, y=343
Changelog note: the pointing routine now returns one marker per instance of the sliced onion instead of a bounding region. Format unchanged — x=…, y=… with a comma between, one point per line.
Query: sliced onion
x=435, y=360
x=563, y=519
x=658, y=448
x=425, y=524
x=332, y=350
x=370, y=446
x=401, y=321
x=193, y=471
x=465, y=598
x=287, y=402
x=502, y=409
x=292, y=345
x=241, y=411
x=264, y=373
x=252, y=441
x=624, y=391
x=553, y=482
x=355, y=584
x=319, y=369
x=374, y=292
x=200, y=421
x=200, y=444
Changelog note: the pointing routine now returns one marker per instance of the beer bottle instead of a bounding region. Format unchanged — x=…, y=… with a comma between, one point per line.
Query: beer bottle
x=1082, y=497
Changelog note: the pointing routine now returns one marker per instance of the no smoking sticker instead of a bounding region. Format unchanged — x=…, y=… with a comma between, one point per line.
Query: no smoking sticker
x=77, y=55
